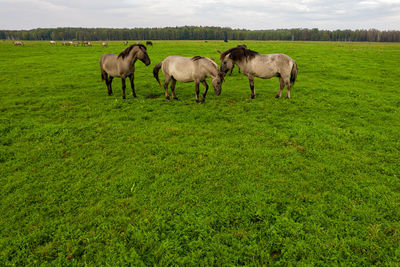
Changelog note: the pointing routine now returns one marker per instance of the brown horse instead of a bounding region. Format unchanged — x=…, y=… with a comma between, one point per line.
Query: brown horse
x=186, y=69
x=149, y=43
x=123, y=66
x=263, y=66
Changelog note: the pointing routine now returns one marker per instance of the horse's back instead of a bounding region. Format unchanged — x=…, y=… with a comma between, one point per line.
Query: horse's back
x=270, y=65
x=108, y=63
x=181, y=68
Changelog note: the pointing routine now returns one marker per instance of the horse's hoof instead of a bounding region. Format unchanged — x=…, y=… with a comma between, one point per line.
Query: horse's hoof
x=167, y=97
x=277, y=96
x=198, y=102
x=177, y=99
x=253, y=96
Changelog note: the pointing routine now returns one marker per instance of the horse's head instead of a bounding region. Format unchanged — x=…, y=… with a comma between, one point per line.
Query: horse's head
x=142, y=55
x=217, y=82
x=226, y=63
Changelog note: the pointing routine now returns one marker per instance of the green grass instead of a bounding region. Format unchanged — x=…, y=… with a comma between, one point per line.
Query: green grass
x=92, y=179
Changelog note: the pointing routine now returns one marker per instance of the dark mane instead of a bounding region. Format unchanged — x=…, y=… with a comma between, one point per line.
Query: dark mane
x=126, y=52
x=196, y=58
x=239, y=53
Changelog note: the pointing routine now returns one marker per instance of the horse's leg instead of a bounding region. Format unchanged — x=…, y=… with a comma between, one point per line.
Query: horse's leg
x=108, y=82
x=173, y=83
x=104, y=76
x=166, y=82
x=288, y=88
x=197, y=92
x=132, y=85
x=233, y=66
x=205, y=91
x=253, y=93
x=123, y=88
x=282, y=85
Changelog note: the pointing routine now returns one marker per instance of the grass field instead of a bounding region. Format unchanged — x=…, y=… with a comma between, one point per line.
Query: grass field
x=92, y=179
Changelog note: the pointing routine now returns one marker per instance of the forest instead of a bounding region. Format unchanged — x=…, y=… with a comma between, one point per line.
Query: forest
x=200, y=33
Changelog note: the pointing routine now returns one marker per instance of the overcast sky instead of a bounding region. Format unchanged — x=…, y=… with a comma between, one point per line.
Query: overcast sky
x=243, y=14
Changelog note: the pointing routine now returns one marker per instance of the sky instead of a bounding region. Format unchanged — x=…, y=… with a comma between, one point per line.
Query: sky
x=236, y=14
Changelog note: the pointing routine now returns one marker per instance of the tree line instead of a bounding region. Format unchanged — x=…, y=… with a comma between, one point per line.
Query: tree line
x=199, y=33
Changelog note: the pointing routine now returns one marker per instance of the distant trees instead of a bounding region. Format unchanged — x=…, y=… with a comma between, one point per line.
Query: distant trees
x=200, y=33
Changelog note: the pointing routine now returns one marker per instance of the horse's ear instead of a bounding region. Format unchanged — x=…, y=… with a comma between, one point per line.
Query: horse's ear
x=219, y=51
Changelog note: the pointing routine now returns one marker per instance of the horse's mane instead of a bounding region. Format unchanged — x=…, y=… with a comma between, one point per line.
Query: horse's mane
x=239, y=53
x=196, y=58
x=126, y=52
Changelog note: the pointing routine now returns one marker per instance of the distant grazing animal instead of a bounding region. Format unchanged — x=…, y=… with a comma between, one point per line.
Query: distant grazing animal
x=233, y=66
x=19, y=43
x=105, y=44
x=122, y=66
x=263, y=66
x=85, y=43
x=89, y=43
x=149, y=43
x=125, y=42
x=75, y=43
x=186, y=69
x=53, y=42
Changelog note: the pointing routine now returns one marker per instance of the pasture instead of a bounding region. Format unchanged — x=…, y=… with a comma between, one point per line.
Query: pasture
x=88, y=178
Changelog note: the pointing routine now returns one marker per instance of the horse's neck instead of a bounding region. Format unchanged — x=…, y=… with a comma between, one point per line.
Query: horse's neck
x=243, y=64
x=132, y=57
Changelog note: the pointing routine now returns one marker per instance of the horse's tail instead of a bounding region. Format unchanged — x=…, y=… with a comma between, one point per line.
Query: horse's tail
x=293, y=74
x=156, y=70
x=103, y=73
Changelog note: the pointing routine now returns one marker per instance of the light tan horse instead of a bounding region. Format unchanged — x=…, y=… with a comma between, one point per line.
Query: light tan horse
x=53, y=42
x=122, y=66
x=263, y=66
x=104, y=44
x=186, y=69
x=19, y=43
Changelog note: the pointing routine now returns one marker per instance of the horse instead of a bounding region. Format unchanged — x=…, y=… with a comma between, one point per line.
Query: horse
x=104, y=44
x=19, y=43
x=85, y=43
x=53, y=42
x=125, y=42
x=89, y=43
x=122, y=66
x=149, y=43
x=263, y=66
x=233, y=66
x=186, y=69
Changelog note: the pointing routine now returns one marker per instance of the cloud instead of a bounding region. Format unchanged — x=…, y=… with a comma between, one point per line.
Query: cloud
x=249, y=14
